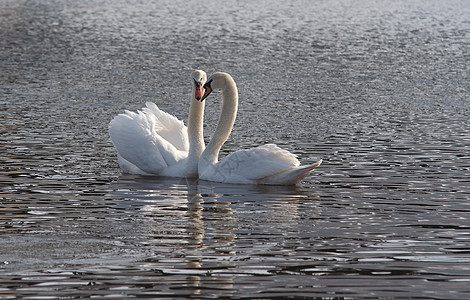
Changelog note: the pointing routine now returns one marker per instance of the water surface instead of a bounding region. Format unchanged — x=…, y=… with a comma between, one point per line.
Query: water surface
x=378, y=90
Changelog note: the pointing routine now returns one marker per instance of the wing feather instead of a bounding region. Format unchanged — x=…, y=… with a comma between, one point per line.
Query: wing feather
x=168, y=126
x=147, y=138
x=257, y=163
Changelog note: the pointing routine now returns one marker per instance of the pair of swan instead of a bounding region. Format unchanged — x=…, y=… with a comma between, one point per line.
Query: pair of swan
x=153, y=142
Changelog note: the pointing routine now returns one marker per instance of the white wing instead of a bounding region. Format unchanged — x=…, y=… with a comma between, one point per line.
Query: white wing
x=167, y=126
x=252, y=165
x=128, y=167
x=151, y=139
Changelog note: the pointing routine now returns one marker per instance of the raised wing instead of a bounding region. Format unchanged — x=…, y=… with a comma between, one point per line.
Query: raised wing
x=151, y=139
x=167, y=126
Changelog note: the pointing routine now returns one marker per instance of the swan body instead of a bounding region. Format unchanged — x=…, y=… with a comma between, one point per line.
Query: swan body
x=153, y=142
x=267, y=164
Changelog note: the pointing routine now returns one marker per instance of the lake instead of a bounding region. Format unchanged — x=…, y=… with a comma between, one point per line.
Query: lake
x=377, y=89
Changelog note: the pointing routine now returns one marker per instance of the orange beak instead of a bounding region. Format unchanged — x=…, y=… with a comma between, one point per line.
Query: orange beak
x=198, y=93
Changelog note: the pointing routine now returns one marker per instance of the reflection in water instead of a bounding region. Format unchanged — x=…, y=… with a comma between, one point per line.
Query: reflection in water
x=196, y=228
x=378, y=89
x=211, y=225
x=201, y=221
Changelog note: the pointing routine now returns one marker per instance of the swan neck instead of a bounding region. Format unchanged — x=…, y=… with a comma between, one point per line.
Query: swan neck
x=225, y=124
x=195, y=128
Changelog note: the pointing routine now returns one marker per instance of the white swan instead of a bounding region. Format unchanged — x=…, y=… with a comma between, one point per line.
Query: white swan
x=267, y=164
x=153, y=142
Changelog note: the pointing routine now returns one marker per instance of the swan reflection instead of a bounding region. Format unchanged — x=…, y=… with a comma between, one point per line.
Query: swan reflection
x=200, y=229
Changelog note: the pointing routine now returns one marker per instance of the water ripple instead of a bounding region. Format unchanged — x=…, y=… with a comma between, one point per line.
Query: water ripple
x=378, y=90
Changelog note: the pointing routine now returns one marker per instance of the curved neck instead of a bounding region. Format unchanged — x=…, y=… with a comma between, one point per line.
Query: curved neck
x=195, y=127
x=225, y=123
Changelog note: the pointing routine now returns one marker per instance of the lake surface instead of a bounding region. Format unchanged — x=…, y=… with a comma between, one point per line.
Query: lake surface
x=378, y=89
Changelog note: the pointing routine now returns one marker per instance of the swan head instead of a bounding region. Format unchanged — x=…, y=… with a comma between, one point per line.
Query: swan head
x=199, y=79
x=217, y=81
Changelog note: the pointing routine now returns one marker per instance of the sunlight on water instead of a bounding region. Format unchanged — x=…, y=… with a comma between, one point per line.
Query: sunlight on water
x=377, y=90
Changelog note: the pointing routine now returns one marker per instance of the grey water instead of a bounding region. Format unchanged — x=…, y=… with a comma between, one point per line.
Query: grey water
x=378, y=89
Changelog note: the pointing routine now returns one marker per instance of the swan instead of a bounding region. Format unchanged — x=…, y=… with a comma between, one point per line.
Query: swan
x=153, y=142
x=267, y=164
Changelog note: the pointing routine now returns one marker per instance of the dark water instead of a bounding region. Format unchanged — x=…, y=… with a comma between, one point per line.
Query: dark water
x=378, y=89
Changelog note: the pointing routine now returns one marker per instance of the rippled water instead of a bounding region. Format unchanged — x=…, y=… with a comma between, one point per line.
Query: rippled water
x=378, y=89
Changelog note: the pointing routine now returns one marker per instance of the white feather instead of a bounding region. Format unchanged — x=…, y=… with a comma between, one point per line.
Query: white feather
x=153, y=142
x=138, y=139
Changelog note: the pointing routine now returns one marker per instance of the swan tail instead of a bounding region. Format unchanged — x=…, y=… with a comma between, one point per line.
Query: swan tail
x=290, y=177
